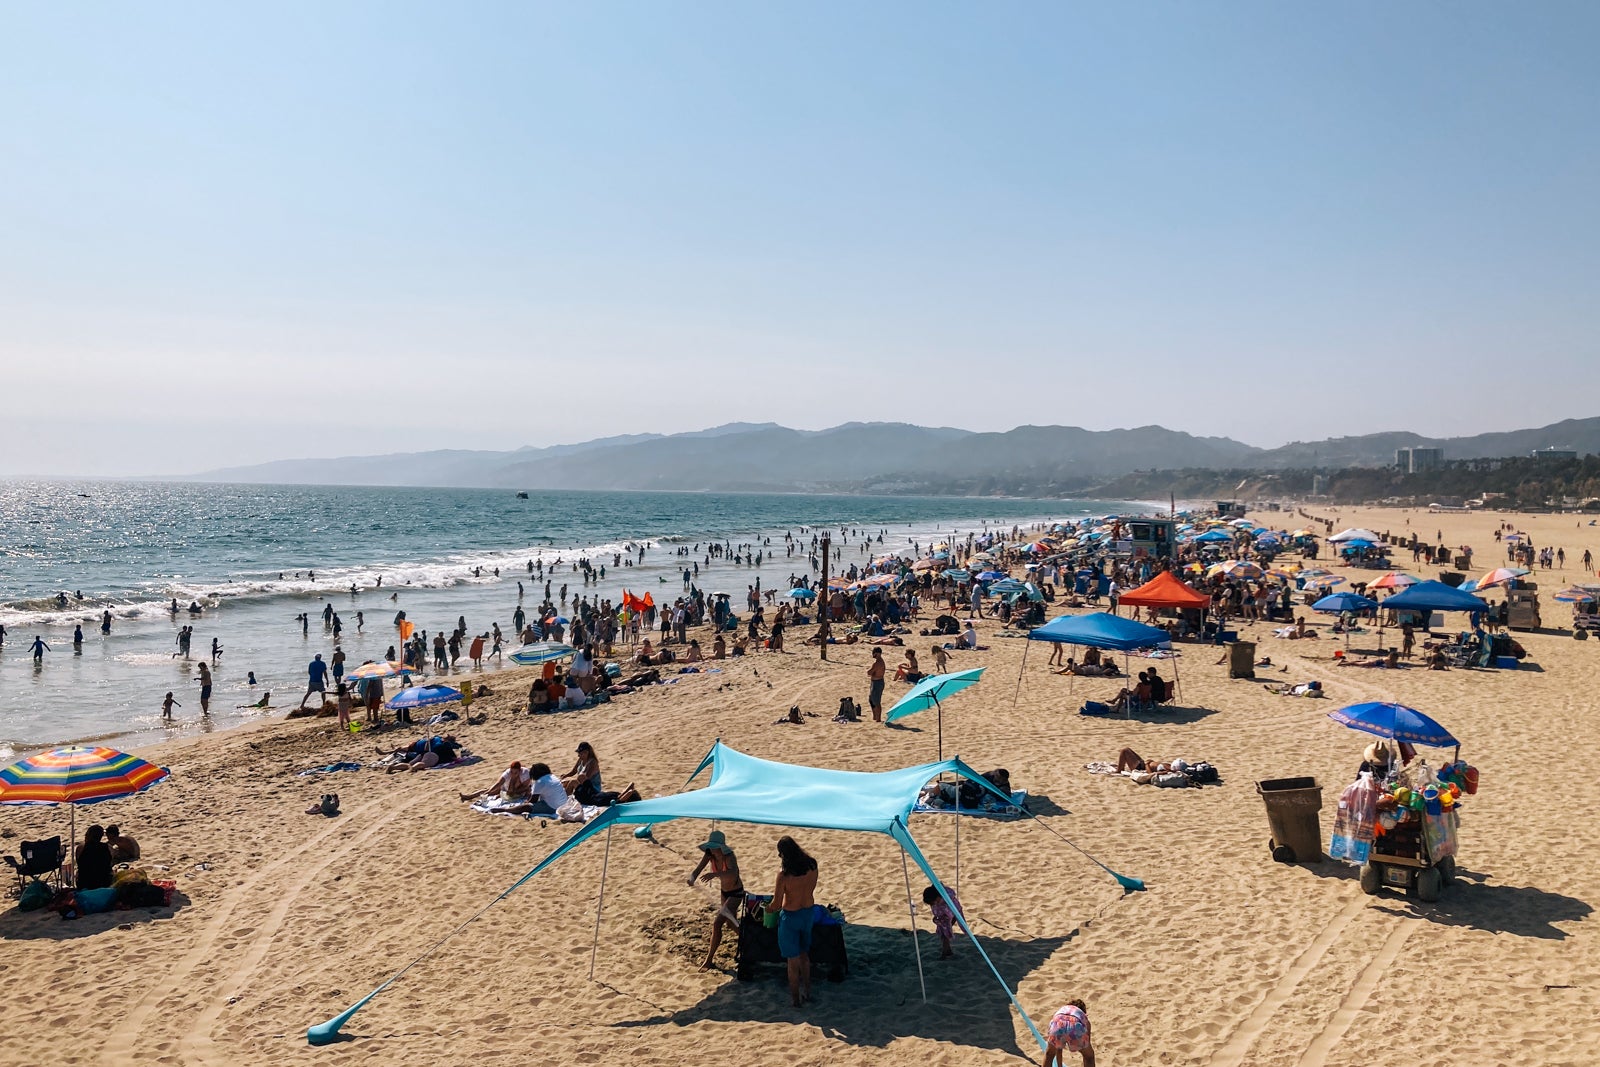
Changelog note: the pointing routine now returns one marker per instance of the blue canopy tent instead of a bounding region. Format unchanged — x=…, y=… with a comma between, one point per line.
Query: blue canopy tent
x=1435, y=596
x=1101, y=630
x=750, y=790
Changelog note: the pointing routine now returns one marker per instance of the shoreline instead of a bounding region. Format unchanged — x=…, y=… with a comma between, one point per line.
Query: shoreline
x=113, y=688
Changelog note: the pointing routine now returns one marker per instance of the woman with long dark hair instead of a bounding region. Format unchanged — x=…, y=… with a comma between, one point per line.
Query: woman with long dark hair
x=793, y=898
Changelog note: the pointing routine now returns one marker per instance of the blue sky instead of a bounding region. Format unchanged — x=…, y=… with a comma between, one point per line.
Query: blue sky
x=232, y=233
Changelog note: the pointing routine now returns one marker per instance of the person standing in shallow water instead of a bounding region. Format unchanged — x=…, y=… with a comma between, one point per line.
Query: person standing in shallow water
x=205, y=689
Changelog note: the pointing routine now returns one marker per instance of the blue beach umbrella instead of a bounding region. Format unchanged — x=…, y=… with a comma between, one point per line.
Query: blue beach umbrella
x=421, y=696
x=958, y=574
x=991, y=576
x=802, y=594
x=1395, y=721
x=1338, y=603
x=927, y=693
x=541, y=652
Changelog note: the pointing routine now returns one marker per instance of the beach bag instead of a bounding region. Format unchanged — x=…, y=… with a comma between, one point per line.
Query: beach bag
x=37, y=895
x=571, y=811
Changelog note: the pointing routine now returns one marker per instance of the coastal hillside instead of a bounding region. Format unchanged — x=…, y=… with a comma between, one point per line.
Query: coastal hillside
x=883, y=457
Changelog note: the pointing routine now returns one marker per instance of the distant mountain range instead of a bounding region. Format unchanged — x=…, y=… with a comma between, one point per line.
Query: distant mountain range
x=880, y=458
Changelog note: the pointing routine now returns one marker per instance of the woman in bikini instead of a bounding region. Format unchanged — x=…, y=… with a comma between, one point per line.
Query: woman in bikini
x=716, y=855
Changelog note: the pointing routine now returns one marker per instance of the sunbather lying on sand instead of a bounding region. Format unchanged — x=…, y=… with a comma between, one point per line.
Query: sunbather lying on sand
x=1389, y=661
x=427, y=752
x=1303, y=689
x=1092, y=670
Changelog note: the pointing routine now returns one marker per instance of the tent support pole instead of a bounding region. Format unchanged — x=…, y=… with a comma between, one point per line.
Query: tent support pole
x=911, y=909
x=1020, y=668
x=599, y=902
x=958, y=839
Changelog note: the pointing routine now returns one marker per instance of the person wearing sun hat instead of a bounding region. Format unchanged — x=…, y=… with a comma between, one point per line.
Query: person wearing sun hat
x=1069, y=1032
x=716, y=855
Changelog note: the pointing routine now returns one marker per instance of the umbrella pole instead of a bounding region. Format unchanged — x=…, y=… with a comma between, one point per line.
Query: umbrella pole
x=594, y=946
x=911, y=908
x=940, y=709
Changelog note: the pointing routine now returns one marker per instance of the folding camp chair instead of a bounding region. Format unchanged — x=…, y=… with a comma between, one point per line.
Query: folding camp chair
x=39, y=859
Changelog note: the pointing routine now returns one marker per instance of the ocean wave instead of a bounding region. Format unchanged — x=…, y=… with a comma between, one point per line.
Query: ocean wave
x=477, y=568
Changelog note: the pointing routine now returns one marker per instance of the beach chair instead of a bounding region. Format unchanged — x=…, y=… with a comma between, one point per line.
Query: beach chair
x=38, y=859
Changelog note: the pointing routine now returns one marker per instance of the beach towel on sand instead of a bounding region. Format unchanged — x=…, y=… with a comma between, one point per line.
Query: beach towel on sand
x=990, y=809
x=501, y=806
x=343, y=765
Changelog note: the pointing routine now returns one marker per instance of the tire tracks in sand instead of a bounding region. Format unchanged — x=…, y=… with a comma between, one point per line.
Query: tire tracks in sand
x=122, y=1043
x=1235, y=1050
x=1355, y=998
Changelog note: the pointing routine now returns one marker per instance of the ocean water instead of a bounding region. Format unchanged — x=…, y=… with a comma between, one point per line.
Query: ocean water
x=246, y=553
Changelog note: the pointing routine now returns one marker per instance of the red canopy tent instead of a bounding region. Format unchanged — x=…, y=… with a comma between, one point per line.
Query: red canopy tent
x=1164, y=591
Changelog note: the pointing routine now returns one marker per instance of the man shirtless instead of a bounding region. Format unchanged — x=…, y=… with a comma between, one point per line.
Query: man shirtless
x=875, y=671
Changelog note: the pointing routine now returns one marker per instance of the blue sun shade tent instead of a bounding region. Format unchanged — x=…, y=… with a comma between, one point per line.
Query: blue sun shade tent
x=750, y=790
x=1101, y=630
x=1435, y=596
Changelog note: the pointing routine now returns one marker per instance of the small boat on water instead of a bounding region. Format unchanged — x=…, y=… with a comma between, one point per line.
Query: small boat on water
x=522, y=496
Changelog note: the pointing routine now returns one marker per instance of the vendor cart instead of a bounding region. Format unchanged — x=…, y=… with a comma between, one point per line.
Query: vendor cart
x=1413, y=835
x=1413, y=858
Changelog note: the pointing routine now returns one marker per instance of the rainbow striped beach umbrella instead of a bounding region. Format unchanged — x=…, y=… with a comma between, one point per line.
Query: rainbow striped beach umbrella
x=76, y=775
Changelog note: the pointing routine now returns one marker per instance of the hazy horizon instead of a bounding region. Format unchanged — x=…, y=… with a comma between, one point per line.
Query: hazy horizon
x=244, y=234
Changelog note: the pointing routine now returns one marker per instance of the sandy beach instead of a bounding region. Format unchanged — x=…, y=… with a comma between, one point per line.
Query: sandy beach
x=284, y=919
